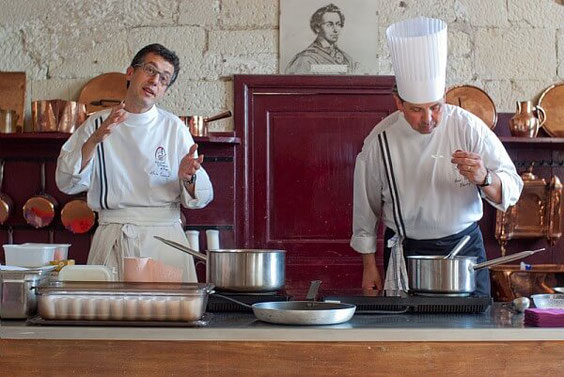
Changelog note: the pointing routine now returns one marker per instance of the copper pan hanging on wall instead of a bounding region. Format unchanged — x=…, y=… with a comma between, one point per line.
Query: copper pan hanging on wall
x=39, y=210
x=77, y=217
x=6, y=203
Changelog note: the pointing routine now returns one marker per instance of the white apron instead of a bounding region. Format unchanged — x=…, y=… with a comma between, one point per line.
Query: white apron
x=129, y=232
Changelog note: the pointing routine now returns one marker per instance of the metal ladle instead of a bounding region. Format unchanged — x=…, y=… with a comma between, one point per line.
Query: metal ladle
x=458, y=247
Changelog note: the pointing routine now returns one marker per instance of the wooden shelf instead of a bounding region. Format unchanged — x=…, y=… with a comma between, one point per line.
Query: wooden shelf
x=216, y=137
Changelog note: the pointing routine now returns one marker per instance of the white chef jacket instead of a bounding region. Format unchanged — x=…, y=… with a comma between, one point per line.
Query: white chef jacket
x=132, y=182
x=435, y=199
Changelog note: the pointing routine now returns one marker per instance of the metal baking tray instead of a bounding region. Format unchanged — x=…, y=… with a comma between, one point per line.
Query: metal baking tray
x=123, y=301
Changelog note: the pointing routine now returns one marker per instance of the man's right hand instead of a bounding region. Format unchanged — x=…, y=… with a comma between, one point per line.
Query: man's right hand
x=370, y=276
x=117, y=116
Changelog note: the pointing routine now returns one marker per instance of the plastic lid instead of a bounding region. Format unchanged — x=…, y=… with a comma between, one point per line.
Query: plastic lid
x=85, y=273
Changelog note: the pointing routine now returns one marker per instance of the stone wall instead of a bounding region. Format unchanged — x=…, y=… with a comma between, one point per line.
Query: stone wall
x=513, y=49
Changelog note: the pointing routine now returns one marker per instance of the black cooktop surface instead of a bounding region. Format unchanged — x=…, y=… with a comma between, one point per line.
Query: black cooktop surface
x=384, y=302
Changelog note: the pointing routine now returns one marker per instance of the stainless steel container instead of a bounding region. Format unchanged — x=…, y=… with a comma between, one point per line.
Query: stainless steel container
x=123, y=301
x=17, y=292
x=435, y=274
x=241, y=270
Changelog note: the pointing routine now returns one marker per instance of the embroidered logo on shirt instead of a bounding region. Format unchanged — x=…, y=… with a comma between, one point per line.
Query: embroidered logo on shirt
x=161, y=168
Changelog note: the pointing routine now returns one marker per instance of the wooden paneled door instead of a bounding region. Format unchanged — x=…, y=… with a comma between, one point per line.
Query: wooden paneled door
x=299, y=139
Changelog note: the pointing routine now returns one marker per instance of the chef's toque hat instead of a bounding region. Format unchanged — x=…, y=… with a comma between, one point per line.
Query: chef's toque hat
x=419, y=53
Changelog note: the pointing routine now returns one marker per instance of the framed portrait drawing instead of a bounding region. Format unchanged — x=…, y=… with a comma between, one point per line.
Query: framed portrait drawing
x=328, y=37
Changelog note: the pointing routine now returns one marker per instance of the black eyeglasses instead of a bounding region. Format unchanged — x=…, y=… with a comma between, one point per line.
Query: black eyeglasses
x=152, y=71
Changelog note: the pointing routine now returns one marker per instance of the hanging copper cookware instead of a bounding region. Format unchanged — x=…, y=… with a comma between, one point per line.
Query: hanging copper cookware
x=39, y=210
x=77, y=217
x=6, y=203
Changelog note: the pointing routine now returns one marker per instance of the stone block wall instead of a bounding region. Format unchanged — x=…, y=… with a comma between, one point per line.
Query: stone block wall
x=513, y=49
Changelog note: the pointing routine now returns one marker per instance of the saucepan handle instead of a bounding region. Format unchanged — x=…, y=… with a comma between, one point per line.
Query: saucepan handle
x=508, y=258
x=183, y=248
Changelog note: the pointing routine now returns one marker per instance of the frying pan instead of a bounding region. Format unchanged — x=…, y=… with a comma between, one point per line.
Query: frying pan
x=103, y=91
x=77, y=217
x=6, y=203
x=39, y=210
x=306, y=313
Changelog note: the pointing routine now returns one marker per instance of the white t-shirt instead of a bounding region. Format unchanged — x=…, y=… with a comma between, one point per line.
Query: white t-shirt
x=136, y=166
x=434, y=198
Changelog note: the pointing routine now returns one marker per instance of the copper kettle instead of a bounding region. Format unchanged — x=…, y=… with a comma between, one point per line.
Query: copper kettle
x=525, y=123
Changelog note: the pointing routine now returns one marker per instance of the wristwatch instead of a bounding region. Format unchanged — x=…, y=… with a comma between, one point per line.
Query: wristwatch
x=190, y=181
x=488, y=180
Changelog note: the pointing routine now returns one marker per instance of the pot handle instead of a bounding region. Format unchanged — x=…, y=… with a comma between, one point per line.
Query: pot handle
x=508, y=258
x=183, y=248
x=233, y=300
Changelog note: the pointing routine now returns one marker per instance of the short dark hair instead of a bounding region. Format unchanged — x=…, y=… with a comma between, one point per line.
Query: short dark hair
x=158, y=49
x=315, y=22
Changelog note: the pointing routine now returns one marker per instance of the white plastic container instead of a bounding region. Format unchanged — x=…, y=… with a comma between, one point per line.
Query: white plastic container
x=28, y=255
x=85, y=273
x=61, y=251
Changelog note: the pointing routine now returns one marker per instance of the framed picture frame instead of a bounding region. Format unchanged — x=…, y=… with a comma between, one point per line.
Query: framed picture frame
x=328, y=37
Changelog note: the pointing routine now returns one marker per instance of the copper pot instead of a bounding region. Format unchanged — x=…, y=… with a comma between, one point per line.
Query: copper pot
x=39, y=210
x=8, y=120
x=77, y=217
x=6, y=203
x=525, y=123
x=198, y=124
x=57, y=115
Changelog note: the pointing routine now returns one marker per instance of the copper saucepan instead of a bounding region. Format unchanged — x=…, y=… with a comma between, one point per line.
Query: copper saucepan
x=77, y=217
x=39, y=210
x=198, y=124
x=6, y=203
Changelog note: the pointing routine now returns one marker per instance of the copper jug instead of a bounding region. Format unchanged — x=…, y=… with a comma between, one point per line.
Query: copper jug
x=524, y=123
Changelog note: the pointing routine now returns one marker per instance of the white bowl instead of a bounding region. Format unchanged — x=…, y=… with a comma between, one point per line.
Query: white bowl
x=61, y=251
x=549, y=301
x=28, y=255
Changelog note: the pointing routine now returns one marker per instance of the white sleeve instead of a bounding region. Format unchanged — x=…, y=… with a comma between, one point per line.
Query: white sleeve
x=203, y=189
x=498, y=161
x=68, y=176
x=367, y=203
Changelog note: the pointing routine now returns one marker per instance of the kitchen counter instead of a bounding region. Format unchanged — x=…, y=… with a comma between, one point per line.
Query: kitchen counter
x=496, y=324
x=406, y=345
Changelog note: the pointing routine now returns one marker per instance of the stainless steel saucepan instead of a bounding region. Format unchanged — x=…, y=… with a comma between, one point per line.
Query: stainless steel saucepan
x=435, y=274
x=241, y=270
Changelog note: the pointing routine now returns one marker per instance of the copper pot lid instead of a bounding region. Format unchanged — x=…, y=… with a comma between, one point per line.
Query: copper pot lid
x=6, y=203
x=474, y=100
x=551, y=102
x=104, y=91
x=39, y=210
x=77, y=217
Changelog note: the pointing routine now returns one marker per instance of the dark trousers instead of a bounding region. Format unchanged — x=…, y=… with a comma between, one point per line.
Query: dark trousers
x=442, y=246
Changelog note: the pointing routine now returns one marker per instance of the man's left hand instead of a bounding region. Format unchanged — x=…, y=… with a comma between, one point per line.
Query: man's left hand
x=190, y=164
x=470, y=165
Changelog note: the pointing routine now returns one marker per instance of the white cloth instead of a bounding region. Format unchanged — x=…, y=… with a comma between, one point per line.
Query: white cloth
x=130, y=232
x=418, y=48
x=132, y=182
x=396, y=273
x=436, y=201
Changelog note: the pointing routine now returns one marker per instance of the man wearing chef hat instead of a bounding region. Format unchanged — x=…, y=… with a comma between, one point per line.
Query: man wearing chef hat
x=425, y=168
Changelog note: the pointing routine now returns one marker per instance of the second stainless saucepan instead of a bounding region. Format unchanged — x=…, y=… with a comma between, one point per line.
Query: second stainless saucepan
x=435, y=274
x=241, y=270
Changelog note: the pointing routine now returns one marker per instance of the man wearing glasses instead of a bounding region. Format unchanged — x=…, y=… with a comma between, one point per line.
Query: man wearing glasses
x=138, y=164
x=323, y=55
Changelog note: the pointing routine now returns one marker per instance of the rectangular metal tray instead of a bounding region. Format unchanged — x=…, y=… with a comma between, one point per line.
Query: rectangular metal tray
x=123, y=301
x=38, y=321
